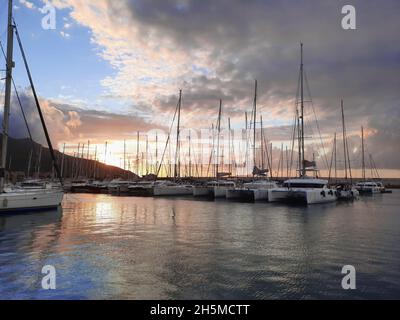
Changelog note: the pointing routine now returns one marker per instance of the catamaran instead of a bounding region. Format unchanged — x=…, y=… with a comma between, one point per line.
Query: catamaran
x=23, y=198
x=370, y=188
x=366, y=187
x=304, y=189
x=345, y=190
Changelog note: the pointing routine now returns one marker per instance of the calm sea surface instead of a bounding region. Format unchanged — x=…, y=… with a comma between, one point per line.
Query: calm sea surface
x=107, y=247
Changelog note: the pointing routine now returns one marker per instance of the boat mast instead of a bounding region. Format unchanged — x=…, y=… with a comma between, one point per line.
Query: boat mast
x=262, y=145
x=63, y=161
x=230, y=146
x=254, y=126
x=7, y=99
x=156, y=152
x=303, y=169
x=344, y=143
x=363, y=154
x=178, y=131
x=95, y=164
x=137, y=153
x=335, y=155
x=124, y=155
x=246, y=167
x=218, y=139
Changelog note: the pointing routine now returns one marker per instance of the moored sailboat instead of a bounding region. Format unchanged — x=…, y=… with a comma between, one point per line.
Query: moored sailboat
x=304, y=189
x=256, y=190
x=23, y=198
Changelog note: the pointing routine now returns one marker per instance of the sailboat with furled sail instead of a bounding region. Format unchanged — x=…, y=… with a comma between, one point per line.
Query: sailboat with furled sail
x=173, y=188
x=304, y=189
x=14, y=199
x=256, y=190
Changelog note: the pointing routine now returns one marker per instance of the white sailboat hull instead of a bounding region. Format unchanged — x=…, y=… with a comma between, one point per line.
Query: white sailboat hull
x=260, y=194
x=307, y=196
x=30, y=200
x=220, y=192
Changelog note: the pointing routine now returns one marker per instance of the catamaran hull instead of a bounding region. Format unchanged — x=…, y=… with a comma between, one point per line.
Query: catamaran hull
x=348, y=195
x=369, y=191
x=316, y=196
x=240, y=195
x=260, y=194
x=172, y=191
x=220, y=192
x=16, y=202
x=203, y=192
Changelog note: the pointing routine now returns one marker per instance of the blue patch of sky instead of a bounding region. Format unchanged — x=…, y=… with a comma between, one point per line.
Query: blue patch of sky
x=201, y=70
x=61, y=67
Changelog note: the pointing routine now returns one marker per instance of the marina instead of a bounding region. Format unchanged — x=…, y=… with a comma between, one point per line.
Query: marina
x=159, y=157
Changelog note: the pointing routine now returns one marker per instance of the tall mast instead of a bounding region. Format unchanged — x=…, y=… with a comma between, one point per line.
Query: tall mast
x=156, y=152
x=218, y=139
x=344, y=142
x=178, y=132
x=262, y=145
x=303, y=169
x=190, y=153
x=7, y=98
x=62, y=162
x=88, y=160
x=137, y=153
x=230, y=146
x=147, y=155
x=95, y=163
x=363, y=154
x=254, y=125
x=335, y=155
x=124, y=154
x=246, y=169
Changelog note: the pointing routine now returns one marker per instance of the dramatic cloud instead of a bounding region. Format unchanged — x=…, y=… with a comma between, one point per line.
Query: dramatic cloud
x=68, y=123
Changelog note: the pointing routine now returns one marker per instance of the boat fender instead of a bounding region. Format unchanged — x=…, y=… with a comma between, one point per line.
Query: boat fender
x=323, y=194
x=331, y=192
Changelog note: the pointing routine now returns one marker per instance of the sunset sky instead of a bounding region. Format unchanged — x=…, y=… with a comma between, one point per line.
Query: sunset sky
x=112, y=68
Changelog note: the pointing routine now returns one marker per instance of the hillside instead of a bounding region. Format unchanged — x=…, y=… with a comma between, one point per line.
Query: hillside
x=19, y=151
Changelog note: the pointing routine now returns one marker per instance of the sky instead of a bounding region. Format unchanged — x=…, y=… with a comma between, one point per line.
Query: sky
x=112, y=68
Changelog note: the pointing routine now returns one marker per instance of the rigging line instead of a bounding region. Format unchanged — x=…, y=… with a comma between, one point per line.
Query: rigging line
x=50, y=145
x=168, y=140
x=316, y=119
